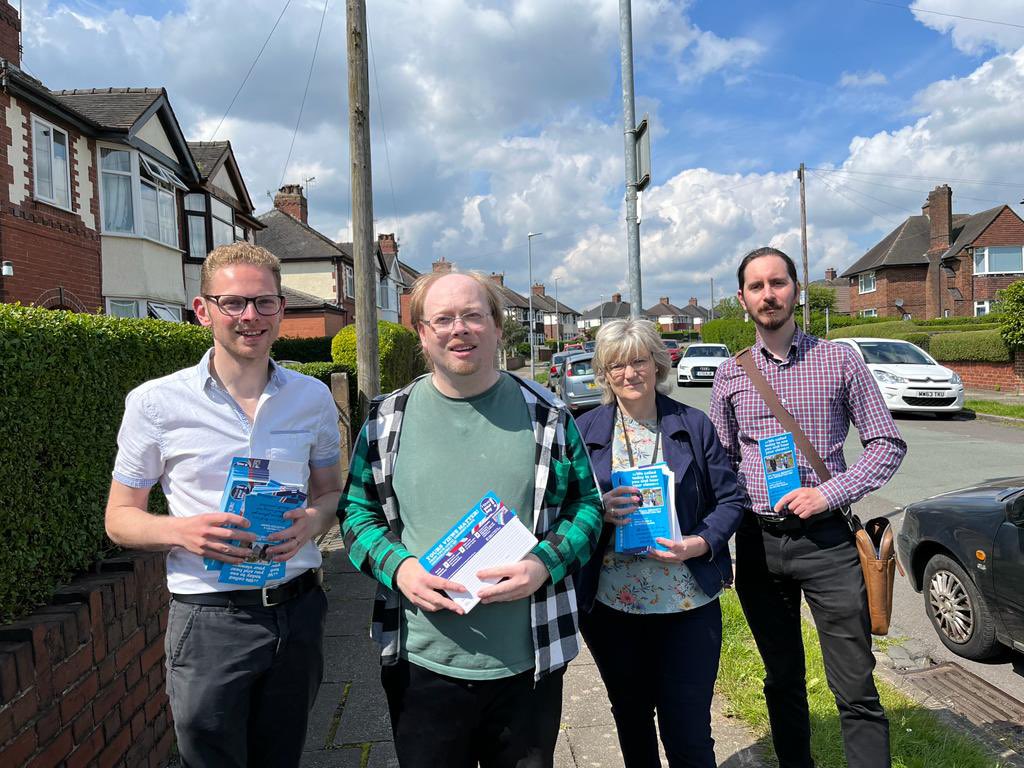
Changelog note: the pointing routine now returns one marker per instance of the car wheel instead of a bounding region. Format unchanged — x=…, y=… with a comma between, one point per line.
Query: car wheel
x=957, y=610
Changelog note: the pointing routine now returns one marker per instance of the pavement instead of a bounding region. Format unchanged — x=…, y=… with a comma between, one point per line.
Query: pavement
x=349, y=726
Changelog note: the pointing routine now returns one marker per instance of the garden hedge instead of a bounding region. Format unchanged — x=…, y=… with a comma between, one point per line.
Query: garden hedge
x=980, y=346
x=401, y=359
x=63, y=380
x=314, y=350
x=681, y=335
x=735, y=334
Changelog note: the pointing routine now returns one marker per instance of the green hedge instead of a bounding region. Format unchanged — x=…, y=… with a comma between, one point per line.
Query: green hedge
x=968, y=321
x=63, y=380
x=887, y=329
x=681, y=335
x=982, y=346
x=314, y=350
x=401, y=359
x=735, y=334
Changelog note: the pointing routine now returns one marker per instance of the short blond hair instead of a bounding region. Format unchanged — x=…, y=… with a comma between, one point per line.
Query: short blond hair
x=423, y=284
x=619, y=341
x=238, y=253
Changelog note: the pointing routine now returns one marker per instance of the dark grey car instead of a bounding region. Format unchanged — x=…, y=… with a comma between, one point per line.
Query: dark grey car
x=577, y=387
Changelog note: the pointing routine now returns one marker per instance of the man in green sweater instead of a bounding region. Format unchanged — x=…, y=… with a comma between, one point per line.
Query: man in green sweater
x=485, y=686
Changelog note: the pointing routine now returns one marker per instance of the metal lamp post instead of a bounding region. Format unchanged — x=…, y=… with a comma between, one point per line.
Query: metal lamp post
x=558, y=320
x=529, y=319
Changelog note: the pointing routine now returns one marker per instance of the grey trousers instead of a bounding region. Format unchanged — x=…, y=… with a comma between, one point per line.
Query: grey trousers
x=242, y=681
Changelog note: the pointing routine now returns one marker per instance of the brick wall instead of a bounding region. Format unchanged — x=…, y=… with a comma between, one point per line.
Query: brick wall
x=1001, y=377
x=82, y=679
x=303, y=326
x=891, y=283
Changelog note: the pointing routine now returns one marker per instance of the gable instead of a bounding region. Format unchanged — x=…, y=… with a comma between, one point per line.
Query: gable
x=152, y=132
x=1006, y=229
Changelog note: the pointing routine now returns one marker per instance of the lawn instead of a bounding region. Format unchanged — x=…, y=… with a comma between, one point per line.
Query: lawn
x=919, y=739
x=995, y=408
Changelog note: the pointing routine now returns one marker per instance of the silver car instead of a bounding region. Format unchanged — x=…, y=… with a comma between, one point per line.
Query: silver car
x=555, y=373
x=577, y=387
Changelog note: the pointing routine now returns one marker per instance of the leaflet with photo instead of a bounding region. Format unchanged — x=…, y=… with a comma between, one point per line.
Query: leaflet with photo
x=489, y=535
x=656, y=517
x=264, y=508
x=778, y=457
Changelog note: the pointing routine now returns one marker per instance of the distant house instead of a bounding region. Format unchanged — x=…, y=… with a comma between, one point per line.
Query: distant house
x=559, y=319
x=607, y=310
x=838, y=285
x=409, y=276
x=309, y=316
x=517, y=307
x=940, y=264
x=673, y=318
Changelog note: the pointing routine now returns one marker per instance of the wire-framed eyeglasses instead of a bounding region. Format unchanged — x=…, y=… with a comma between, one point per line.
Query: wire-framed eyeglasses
x=230, y=304
x=474, y=321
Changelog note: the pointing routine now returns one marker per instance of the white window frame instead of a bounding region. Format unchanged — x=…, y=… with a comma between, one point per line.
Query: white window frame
x=383, y=293
x=144, y=308
x=985, y=308
x=862, y=280
x=164, y=180
x=349, y=284
x=35, y=164
x=986, y=267
x=869, y=313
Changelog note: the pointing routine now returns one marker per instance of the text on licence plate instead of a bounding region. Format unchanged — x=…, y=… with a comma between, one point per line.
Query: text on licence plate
x=931, y=393
x=591, y=385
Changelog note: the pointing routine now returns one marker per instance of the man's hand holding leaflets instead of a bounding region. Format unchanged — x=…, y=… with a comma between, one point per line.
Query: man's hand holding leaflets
x=213, y=535
x=802, y=502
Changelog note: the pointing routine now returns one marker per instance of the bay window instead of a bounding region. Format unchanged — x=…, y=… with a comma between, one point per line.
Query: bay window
x=138, y=196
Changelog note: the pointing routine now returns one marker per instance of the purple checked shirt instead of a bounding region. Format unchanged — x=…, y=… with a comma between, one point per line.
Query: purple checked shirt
x=826, y=387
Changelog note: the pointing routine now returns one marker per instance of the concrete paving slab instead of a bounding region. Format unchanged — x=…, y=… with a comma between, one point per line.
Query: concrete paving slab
x=595, y=746
x=320, y=719
x=365, y=715
x=351, y=657
x=584, y=700
x=348, y=617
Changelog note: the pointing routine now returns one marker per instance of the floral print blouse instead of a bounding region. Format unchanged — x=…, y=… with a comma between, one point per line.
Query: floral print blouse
x=635, y=583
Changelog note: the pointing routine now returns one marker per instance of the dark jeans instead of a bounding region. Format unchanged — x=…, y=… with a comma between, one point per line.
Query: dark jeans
x=242, y=680
x=455, y=723
x=665, y=663
x=772, y=568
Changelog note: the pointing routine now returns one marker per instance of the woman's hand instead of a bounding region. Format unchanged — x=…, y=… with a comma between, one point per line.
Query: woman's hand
x=619, y=503
x=679, y=551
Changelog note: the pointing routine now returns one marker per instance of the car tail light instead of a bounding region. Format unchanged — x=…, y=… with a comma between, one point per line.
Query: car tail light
x=568, y=371
x=554, y=370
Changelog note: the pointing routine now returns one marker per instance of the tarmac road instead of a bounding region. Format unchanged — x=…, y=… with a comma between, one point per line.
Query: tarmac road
x=942, y=456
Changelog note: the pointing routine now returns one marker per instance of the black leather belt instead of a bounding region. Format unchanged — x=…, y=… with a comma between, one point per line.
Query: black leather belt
x=786, y=523
x=267, y=597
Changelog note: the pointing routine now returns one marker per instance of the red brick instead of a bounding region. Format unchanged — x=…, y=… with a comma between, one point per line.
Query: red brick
x=105, y=670
x=21, y=749
x=87, y=750
x=82, y=725
x=130, y=649
x=111, y=725
x=79, y=698
x=162, y=751
x=115, y=749
x=55, y=752
x=20, y=654
x=73, y=668
x=157, y=678
x=24, y=708
x=47, y=724
x=152, y=654
x=7, y=729
x=139, y=726
x=75, y=623
x=134, y=699
x=108, y=698
x=154, y=704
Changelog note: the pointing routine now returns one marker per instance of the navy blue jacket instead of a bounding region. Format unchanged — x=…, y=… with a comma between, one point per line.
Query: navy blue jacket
x=708, y=500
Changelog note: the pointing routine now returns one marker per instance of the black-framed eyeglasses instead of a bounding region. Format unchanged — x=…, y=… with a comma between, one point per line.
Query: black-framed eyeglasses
x=230, y=304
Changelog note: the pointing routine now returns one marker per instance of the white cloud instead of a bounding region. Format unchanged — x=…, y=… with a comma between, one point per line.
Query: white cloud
x=866, y=79
x=974, y=26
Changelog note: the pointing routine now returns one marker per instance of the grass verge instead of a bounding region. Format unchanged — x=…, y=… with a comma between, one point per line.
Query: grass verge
x=542, y=377
x=995, y=408
x=919, y=739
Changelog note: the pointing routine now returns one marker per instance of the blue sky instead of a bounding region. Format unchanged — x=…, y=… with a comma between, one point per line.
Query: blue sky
x=505, y=117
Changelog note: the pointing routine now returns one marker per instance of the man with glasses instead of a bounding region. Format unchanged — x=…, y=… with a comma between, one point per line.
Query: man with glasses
x=483, y=686
x=243, y=664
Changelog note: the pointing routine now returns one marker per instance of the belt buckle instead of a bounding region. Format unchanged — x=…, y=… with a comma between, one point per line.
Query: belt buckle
x=264, y=597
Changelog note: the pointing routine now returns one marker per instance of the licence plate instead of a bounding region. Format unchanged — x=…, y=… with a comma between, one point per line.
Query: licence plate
x=931, y=393
x=704, y=372
x=591, y=385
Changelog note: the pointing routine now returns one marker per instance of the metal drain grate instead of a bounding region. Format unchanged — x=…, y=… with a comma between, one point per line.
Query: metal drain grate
x=970, y=696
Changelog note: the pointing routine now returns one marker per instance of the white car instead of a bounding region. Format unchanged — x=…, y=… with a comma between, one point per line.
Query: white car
x=700, y=362
x=909, y=378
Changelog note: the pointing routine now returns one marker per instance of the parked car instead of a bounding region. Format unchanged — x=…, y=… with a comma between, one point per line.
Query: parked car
x=572, y=348
x=589, y=346
x=700, y=362
x=909, y=378
x=674, y=351
x=577, y=387
x=963, y=551
x=556, y=369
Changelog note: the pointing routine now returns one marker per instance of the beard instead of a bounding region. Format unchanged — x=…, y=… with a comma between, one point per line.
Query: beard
x=775, y=320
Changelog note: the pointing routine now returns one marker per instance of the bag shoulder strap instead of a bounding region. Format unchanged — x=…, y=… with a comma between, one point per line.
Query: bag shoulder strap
x=746, y=361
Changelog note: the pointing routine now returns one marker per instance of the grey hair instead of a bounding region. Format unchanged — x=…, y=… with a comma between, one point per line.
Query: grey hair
x=623, y=340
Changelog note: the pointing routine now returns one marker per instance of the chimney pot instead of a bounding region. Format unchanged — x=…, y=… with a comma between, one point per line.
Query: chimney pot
x=616, y=298
x=388, y=244
x=538, y=289
x=498, y=277
x=663, y=300
x=830, y=274
x=291, y=200
x=441, y=265
x=693, y=301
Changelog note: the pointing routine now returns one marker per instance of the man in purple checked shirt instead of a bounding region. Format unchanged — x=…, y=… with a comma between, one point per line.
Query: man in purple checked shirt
x=804, y=544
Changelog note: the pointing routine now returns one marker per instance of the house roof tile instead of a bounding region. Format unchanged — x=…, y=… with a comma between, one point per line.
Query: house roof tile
x=112, y=108
x=290, y=239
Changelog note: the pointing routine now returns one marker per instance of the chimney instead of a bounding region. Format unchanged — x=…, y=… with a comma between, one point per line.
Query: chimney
x=939, y=210
x=538, y=289
x=441, y=265
x=388, y=244
x=616, y=298
x=10, y=33
x=499, y=278
x=663, y=300
x=830, y=274
x=292, y=201
x=693, y=301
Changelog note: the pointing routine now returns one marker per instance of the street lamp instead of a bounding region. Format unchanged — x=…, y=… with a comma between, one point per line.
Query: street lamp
x=529, y=330
x=558, y=319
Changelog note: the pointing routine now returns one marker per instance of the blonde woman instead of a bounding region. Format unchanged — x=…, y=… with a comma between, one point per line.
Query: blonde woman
x=652, y=621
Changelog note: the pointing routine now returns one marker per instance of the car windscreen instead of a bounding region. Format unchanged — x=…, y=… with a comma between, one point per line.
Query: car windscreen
x=581, y=368
x=892, y=353
x=559, y=358
x=669, y=344
x=706, y=352
x=589, y=346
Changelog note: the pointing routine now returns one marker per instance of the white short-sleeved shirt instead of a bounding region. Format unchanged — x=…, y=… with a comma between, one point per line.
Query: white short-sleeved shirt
x=183, y=430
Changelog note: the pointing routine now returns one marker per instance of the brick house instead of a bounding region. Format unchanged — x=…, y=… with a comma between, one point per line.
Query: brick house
x=616, y=309
x=840, y=286
x=559, y=319
x=940, y=264
x=409, y=276
x=673, y=318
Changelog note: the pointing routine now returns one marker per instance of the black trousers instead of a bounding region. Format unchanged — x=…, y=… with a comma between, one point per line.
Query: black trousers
x=455, y=723
x=665, y=663
x=820, y=560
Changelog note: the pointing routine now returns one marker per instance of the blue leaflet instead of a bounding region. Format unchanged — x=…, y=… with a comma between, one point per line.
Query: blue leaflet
x=264, y=509
x=778, y=457
x=656, y=517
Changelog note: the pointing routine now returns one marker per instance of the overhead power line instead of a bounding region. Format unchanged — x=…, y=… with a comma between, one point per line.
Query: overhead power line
x=943, y=13
x=982, y=182
x=251, y=68
x=383, y=130
x=859, y=204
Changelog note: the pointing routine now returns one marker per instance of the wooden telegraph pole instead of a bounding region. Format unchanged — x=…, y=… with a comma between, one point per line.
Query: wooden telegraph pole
x=367, y=350
x=803, y=242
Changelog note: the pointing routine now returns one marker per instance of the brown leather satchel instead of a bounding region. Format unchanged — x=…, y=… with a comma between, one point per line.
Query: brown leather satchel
x=875, y=545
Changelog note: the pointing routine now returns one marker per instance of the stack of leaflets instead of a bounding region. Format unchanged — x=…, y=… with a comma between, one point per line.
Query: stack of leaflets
x=487, y=536
x=656, y=517
x=260, y=490
x=778, y=457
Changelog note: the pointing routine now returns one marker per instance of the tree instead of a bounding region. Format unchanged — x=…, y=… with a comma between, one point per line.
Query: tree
x=1011, y=305
x=729, y=308
x=821, y=298
x=512, y=333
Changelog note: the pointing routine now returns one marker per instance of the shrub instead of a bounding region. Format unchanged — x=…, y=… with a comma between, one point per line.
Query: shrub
x=835, y=321
x=523, y=349
x=735, y=334
x=681, y=335
x=401, y=360
x=887, y=329
x=64, y=377
x=982, y=346
x=314, y=350
x=1012, y=305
